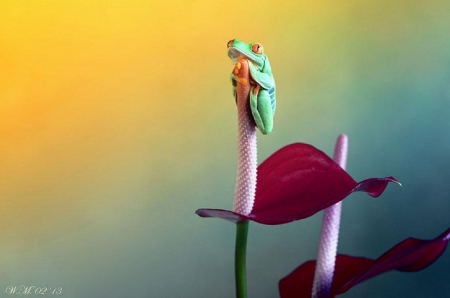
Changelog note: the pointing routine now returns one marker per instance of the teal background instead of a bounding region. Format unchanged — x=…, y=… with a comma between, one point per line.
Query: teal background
x=117, y=123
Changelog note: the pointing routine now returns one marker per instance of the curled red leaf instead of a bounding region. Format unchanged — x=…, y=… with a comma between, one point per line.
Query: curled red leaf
x=409, y=255
x=296, y=182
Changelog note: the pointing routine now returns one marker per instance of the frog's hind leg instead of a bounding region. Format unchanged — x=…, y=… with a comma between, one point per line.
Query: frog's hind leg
x=262, y=111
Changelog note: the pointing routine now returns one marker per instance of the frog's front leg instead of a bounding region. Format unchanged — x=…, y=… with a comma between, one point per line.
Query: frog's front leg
x=235, y=79
x=264, y=79
x=262, y=110
x=233, y=85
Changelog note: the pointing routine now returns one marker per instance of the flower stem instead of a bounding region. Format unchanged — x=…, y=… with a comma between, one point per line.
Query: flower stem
x=326, y=256
x=244, y=195
x=240, y=257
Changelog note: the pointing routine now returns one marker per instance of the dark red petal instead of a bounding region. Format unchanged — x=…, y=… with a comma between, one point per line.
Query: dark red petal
x=409, y=255
x=296, y=182
x=375, y=186
x=299, y=282
x=220, y=213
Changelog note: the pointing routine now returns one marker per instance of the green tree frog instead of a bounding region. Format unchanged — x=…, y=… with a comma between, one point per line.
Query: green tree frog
x=262, y=83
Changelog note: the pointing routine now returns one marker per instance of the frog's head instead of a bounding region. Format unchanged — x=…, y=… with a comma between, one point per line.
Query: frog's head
x=253, y=52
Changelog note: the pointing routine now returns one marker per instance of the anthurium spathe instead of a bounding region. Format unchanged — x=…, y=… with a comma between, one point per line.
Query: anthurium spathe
x=296, y=182
x=409, y=255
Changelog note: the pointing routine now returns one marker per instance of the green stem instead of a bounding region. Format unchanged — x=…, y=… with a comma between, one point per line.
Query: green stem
x=239, y=259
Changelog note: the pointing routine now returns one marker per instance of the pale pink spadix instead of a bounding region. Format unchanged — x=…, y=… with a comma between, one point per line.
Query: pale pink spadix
x=326, y=256
x=244, y=194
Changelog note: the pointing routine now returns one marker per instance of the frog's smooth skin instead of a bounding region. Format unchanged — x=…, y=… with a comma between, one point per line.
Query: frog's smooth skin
x=262, y=83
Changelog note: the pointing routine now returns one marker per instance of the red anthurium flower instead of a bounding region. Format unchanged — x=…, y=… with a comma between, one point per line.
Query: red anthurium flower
x=296, y=182
x=409, y=255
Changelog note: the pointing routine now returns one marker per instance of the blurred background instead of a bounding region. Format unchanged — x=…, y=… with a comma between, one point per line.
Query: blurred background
x=117, y=123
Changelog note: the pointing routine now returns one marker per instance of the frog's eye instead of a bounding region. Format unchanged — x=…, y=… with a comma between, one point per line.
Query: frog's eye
x=257, y=48
x=230, y=43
